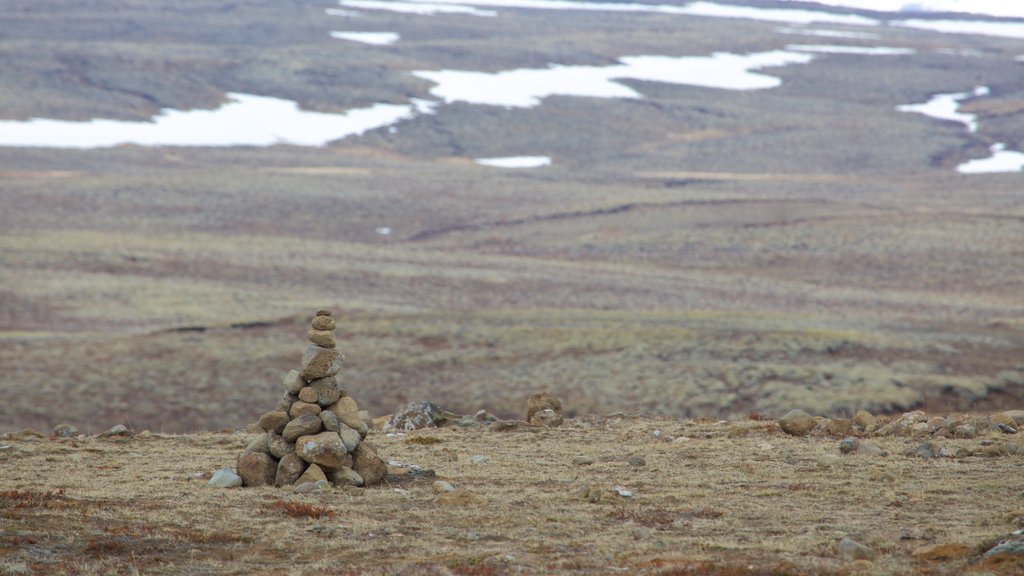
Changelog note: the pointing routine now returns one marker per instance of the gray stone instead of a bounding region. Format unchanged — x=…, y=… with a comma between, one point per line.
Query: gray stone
x=637, y=461
x=868, y=449
x=257, y=469
x=293, y=382
x=415, y=416
x=289, y=469
x=327, y=390
x=926, y=450
x=308, y=487
x=225, y=478
x=319, y=362
x=279, y=446
x=118, y=430
x=325, y=449
x=330, y=420
x=349, y=437
x=347, y=412
x=304, y=425
x=546, y=417
x=65, y=431
x=312, y=475
x=797, y=423
x=259, y=444
x=440, y=487
x=851, y=550
x=849, y=445
x=345, y=476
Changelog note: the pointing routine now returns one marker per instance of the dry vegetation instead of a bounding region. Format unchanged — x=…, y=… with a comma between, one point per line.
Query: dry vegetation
x=734, y=497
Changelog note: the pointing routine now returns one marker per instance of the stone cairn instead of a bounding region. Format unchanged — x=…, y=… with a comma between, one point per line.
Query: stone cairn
x=315, y=433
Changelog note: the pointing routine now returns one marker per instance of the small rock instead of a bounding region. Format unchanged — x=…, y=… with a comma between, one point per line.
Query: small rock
x=325, y=449
x=542, y=401
x=320, y=362
x=327, y=391
x=797, y=423
x=274, y=421
x=347, y=412
x=457, y=497
x=312, y=474
x=478, y=459
x=415, y=416
x=926, y=450
x=839, y=426
x=323, y=312
x=965, y=431
x=484, y=416
x=547, y=417
x=259, y=444
x=637, y=461
x=1006, y=428
x=289, y=469
x=349, y=437
x=936, y=423
x=323, y=323
x=118, y=430
x=330, y=420
x=293, y=382
x=65, y=431
x=308, y=395
x=368, y=464
x=864, y=419
x=868, y=449
x=322, y=338
x=308, y=487
x=622, y=492
x=304, y=425
x=440, y=487
x=225, y=478
x=299, y=408
x=279, y=446
x=849, y=445
x=583, y=461
x=851, y=550
x=257, y=469
x=950, y=452
x=1005, y=551
x=345, y=476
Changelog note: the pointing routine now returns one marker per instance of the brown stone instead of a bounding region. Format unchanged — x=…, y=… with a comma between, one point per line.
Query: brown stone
x=323, y=323
x=323, y=338
x=839, y=426
x=345, y=476
x=289, y=469
x=259, y=444
x=319, y=362
x=293, y=382
x=942, y=552
x=323, y=312
x=304, y=425
x=347, y=411
x=256, y=469
x=274, y=421
x=542, y=401
x=312, y=474
x=797, y=423
x=864, y=419
x=325, y=449
x=368, y=465
x=279, y=447
x=300, y=408
x=308, y=395
x=330, y=420
x=327, y=390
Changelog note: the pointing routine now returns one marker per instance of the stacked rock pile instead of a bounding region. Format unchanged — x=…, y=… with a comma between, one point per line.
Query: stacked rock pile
x=315, y=432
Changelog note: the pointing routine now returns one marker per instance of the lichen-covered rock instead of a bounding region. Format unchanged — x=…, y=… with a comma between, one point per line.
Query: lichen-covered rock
x=279, y=446
x=797, y=423
x=320, y=362
x=542, y=401
x=304, y=425
x=415, y=416
x=289, y=469
x=256, y=469
x=370, y=467
x=325, y=449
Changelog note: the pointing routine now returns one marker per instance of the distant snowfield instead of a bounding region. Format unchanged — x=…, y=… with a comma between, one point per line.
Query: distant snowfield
x=946, y=107
x=998, y=8
x=1002, y=160
x=375, y=38
x=515, y=162
x=857, y=50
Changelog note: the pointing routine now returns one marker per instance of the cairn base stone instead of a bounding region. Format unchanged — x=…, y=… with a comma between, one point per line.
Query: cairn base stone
x=257, y=469
x=289, y=469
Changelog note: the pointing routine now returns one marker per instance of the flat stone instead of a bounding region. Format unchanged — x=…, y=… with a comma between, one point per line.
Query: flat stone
x=797, y=423
x=274, y=421
x=289, y=469
x=320, y=362
x=323, y=312
x=325, y=449
x=868, y=449
x=322, y=338
x=65, y=431
x=225, y=478
x=279, y=446
x=257, y=469
x=299, y=408
x=309, y=487
x=259, y=444
x=368, y=464
x=304, y=425
x=312, y=474
x=345, y=476
x=542, y=401
x=327, y=391
x=323, y=323
x=293, y=382
x=118, y=430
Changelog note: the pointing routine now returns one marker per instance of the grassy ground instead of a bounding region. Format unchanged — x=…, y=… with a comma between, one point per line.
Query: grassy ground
x=736, y=497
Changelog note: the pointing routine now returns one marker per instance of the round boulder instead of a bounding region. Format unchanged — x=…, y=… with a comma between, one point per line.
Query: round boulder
x=797, y=423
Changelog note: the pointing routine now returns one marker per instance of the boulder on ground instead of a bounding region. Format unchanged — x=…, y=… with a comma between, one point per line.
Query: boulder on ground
x=257, y=469
x=368, y=464
x=797, y=423
x=415, y=416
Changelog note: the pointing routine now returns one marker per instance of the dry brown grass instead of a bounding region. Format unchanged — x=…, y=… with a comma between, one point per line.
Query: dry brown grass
x=711, y=503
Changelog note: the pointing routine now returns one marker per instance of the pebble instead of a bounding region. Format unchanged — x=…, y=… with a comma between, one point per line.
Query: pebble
x=323, y=312
x=926, y=450
x=349, y=437
x=637, y=461
x=299, y=408
x=307, y=487
x=864, y=419
x=797, y=423
x=868, y=449
x=225, y=478
x=849, y=445
x=839, y=426
x=850, y=550
x=440, y=486
x=65, y=431
x=542, y=401
x=583, y=461
x=118, y=430
x=323, y=322
x=829, y=461
x=345, y=476
x=330, y=420
x=478, y=459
